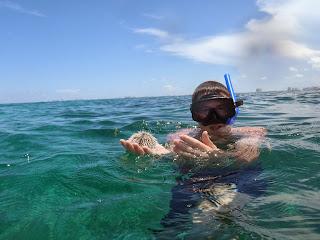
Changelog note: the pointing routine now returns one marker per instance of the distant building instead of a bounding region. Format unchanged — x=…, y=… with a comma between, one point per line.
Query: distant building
x=259, y=90
x=311, y=88
x=290, y=89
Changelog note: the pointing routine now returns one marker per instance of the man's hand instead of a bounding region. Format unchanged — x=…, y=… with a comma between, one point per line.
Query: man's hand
x=138, y=150
x=191, y=147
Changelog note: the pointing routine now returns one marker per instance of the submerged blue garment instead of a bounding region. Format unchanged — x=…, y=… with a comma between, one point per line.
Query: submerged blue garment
x=187, y=193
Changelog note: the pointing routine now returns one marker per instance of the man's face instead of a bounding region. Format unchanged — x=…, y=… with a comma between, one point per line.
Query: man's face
x=216, y=129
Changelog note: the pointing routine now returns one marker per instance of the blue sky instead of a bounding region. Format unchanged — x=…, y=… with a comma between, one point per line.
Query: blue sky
x=51, y=50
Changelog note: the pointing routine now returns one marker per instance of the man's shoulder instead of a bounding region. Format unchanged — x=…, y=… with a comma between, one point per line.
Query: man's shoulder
x=250, y=135
x=253, y=130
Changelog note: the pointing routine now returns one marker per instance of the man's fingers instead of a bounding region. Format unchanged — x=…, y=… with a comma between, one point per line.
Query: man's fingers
x=123, y=142
x=182, y=148
x=147, y=150
x=180, y=152
x=138, y=149
x=207, y=141
x=128, y=146
x=132, y=147
x=194, y=143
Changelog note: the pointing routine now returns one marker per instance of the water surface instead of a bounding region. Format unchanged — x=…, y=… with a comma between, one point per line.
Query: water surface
x=64, y=174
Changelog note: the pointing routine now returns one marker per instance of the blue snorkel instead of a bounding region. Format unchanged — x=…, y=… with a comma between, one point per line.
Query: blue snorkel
x=231, y=121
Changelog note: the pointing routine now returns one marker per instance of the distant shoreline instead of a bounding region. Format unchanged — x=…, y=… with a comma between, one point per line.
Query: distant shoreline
x=129, y=97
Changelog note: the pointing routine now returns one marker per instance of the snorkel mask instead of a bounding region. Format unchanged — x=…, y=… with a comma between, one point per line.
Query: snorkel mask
x=216, y=109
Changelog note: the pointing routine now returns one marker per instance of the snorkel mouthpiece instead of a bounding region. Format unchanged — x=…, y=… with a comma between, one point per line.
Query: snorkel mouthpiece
x=231, y=121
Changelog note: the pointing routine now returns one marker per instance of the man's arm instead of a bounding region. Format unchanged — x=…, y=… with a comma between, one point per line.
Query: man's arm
x=247, y=148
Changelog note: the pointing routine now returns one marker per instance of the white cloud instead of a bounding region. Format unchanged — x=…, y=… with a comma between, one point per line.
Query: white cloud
x=215, y=49
x=285, y=37
x=18, y=8
x=299, y=75
x=170, y=88
x=68, y=91
x=263, y=78
x=315, y=63
x=153, y=31
x=293, y=69
x=272, y=37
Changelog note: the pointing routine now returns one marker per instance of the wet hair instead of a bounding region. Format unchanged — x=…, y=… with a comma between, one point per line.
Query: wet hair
x=209, y=87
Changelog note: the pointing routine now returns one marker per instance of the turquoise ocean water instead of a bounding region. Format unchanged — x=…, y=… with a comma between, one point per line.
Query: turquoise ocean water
x=64, y=174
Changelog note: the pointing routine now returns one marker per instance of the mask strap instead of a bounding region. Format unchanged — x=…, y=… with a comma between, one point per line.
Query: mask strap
x=239, y=103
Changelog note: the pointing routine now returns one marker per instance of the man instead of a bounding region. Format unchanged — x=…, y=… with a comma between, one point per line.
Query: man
x=211, y=107
x=212, y=147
